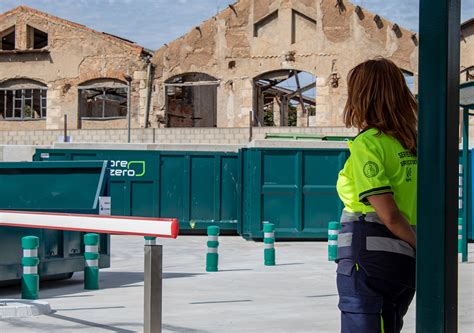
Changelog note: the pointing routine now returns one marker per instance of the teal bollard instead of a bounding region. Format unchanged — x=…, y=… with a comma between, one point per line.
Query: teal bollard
x=30, y=261
x=91, y=256
x=269, y=243
x=333, y=232
x=212, y=258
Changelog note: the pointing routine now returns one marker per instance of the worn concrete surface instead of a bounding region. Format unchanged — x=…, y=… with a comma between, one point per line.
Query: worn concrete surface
x=297, y=295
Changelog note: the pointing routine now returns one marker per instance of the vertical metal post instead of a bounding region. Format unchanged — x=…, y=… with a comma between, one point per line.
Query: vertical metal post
x=129, y=109
x=250, y=126
x=129, y=79
x=438, y=155
x=103, y=102
x=465, y=185
x=65, y=128
x=153, y=288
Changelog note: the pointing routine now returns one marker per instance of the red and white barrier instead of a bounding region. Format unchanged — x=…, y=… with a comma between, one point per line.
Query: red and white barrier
x=116, y=225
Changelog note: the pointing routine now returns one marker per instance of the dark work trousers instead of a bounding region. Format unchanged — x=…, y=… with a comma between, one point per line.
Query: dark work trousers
x=372, y=297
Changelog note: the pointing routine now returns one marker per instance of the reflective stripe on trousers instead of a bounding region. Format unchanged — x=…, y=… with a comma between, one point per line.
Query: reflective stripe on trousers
x=373, y=243
x=368, y=217
x=385, y=244
x=374, y=248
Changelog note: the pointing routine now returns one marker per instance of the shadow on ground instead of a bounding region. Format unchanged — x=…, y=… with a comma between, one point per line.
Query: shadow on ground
x=75, y=285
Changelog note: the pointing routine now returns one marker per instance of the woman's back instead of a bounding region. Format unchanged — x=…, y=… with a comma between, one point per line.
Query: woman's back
x=378, y=164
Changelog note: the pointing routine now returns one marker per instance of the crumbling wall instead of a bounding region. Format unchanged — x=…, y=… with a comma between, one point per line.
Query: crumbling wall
x=467, y=51
x=323, y=37
x=75, y=54
x=252, y=37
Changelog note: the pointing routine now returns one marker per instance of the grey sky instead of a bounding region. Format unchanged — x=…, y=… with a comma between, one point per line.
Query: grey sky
x=152, y=23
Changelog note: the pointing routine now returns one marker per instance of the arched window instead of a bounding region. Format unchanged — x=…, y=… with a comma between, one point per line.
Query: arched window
x=22, y=99
x=103, y=99
x=191, y=100
x=284, y=97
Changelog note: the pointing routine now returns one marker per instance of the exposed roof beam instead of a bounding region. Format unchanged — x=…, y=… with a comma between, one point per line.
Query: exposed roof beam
x=193, y=84
x=303, y=89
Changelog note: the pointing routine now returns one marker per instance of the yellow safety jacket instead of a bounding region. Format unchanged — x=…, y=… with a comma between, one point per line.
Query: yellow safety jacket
x=378, y=164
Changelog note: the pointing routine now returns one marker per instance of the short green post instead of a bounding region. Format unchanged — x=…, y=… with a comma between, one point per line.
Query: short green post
x=30, y=261
x=269, y=242
x=150, y=240
x=333, y=232
x=460, y=234
x=212, y=258
x=91, y=256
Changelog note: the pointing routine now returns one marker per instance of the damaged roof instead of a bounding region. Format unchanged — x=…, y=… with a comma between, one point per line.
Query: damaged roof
x=115, y=39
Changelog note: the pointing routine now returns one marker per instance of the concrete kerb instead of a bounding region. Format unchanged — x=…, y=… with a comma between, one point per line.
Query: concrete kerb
x=17, y=308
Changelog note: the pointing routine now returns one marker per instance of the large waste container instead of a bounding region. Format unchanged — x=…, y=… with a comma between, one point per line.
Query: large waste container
x=295, y=189
x=197, y=188
x=50, y=187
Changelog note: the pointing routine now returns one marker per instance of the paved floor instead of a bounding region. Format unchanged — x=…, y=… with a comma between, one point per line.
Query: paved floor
x=297, y=295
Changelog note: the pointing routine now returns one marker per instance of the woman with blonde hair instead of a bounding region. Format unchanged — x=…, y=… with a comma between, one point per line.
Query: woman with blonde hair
x=377, y=241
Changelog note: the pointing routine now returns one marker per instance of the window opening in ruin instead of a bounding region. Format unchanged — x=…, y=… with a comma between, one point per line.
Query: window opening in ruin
x=191, y=100
x=37, y=39
x=7, y=39
x=285, y=98
x=410, y=80
x=103, y=100
x=468, y=73
x=22, y=100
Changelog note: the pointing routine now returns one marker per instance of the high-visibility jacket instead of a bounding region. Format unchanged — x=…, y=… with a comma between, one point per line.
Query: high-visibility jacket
x=378, y=164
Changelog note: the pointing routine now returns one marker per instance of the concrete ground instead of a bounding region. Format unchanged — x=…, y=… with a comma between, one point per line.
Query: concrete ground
x=297, y=295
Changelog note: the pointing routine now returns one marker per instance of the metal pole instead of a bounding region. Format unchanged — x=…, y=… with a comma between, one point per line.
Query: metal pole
x=153, y=288
x=438, y=156
x=465, y=185
x=65, y=129
x=250, y=126
x=129, y=113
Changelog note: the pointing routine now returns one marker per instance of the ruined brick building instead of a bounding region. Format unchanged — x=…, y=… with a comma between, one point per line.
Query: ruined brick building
x=51, y=67
x=239, y=60
x=259, y=62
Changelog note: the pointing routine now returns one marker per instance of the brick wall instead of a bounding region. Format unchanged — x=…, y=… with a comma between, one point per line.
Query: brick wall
x=236, y=136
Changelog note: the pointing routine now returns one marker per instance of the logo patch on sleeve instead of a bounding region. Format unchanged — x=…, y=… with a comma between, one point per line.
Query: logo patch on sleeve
x=371, y=169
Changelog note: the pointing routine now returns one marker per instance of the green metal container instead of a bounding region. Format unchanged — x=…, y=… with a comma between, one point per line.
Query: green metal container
x=50, y=187
x=293, y=136
x=293, y=188
x=338, y=138
x=197, y=188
